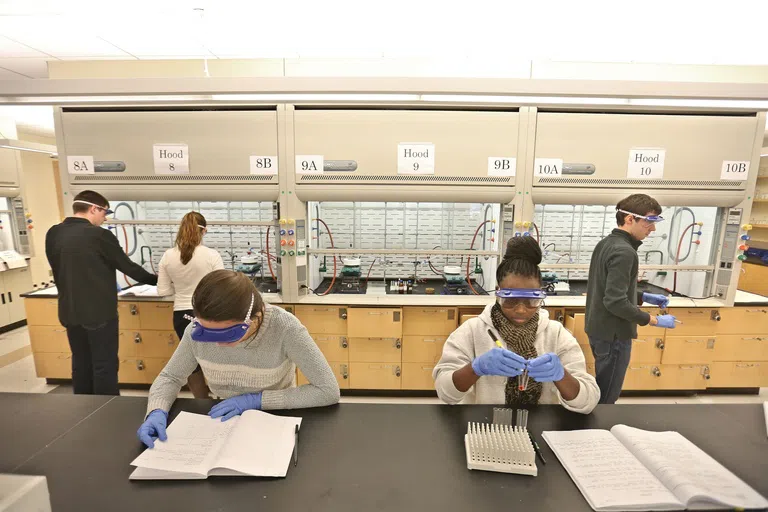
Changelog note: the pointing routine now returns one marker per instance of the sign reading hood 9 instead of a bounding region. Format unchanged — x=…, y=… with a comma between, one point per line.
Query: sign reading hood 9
x=149, y=151
x=414, y=155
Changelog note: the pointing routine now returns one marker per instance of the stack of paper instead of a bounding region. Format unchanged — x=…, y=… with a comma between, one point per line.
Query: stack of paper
x=140, y=290
x=198, y=446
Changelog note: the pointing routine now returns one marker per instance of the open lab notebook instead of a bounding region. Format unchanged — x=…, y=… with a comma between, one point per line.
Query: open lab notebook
x=198, y=446
x=633, y=469
x=139, y=290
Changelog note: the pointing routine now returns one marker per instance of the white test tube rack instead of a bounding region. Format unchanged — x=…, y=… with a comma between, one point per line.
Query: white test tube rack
x=500, y=448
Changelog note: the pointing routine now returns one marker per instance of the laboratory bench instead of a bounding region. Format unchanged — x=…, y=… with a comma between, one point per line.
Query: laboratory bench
x=392, y=342
x=351, y=456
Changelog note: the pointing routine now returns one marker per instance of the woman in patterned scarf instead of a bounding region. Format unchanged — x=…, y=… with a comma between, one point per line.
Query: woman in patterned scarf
x=474, y=370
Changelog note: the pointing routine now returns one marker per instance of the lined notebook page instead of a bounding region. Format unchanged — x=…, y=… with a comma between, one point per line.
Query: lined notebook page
x=607, y=474
x=694, y=477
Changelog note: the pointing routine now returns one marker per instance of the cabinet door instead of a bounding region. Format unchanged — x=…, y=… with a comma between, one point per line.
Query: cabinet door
x=340, y=370
x=641, y=376
x=741, y=347
x=159, y=344
x=17, y=281
x=333, y=347
x=683, y=376
x=323, y=319
x=426, y=320
x=688, y=349
x=156, y=316
x=739, y=374
x=42, y=311
x=418, y=376
x=374, y=376
x=375, y=322
x=380, y=350
x=743, y=320
x=754, y=278
x=50, y=365
x=133, y=370
x=423, y=349
x=129, y=314
x=647, y=350
x=48, y=338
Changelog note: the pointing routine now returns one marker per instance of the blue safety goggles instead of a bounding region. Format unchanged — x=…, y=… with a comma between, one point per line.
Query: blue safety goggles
x=531, y=298
x=223, y=335
x=650, y=218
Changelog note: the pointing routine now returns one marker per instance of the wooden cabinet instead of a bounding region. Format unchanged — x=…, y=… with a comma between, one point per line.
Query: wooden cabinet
x=323, y=319
x=556, y=314
x=160, y=344
x=754, y=278
x=132, y=370
x=428, y=320
x=370, y=350
x=155, y=316
x=52, y=365
x=418, y=376
x=48, y=338
x=641, y=377
x=340, y=370
x=423, y=349
x=695, y=321
x=688, y=349
x=649, y=330
x=128, y=344
x=374, y=375
x=741, y=347
x=375, y=322
x=647, y=349
x=333, y=347
x=683, y=376
x=739, y=374
x=574, y=323
x=42, y=311
x=744, y=320
x=129, y=313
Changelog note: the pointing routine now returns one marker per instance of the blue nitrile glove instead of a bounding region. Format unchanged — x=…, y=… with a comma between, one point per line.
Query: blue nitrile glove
x=666, y=321
x=498, y=361
x=153, y=428
x=657, y=300
x=235, y=406
x=546, y=368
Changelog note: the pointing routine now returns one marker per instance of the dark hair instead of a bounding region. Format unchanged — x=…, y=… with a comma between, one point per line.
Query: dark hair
x=224, y=295
x=91, y=197
x=190, y=235
x=639, y=204
x=521, y=258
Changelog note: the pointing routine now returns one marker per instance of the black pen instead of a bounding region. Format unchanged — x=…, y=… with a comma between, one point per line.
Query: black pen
x=536, y=448
x=296, y=447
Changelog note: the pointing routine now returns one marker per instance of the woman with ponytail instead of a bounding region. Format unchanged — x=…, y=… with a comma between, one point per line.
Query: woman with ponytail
x=181, y=269
x=484, y=359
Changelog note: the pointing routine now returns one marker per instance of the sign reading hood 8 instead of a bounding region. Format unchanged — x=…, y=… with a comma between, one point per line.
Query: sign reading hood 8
x=220, y=145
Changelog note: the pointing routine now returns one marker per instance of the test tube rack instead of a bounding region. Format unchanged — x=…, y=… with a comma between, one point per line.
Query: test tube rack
x=500, y=448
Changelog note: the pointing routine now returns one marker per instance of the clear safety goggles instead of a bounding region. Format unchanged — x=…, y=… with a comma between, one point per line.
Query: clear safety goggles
x=223, y=335
x=107, y=211
x=650, y=218
x=530, y=298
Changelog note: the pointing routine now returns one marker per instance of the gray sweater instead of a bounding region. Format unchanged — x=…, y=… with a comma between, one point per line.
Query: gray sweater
x=612, y=298
x=266, y=362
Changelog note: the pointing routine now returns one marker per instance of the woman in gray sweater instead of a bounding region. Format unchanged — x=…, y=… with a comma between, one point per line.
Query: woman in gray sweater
x=248, y=351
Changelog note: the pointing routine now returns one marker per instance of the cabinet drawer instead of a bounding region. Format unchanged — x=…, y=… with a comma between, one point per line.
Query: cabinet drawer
x=133, y=370
x=739, y=347
x=646, y=349
x=127, y=346
x=688, y=349
x=157, y=344
x=557, y=314
x=432, y=321
x=682, y=376
x=340, y=370
x=42, y=311
x=696, y=321
x=333, y=347
x=647, y=331
x=374, y=376
x=575, y=325
x=375, y=350
x=588, y=356
x=48, y=338
x=418, y=376
x=375, y=322
x=153, y=366
x=423, y=349
x=464, y=318
x=129, y=313
x=156, y=316
x=739, y=374
x=323, y=319
x=749, y=320
x=49, y=365
x=640, y=376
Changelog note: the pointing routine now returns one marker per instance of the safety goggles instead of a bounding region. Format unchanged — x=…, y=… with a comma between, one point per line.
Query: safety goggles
x=107, y=211
x=223, y=335
x=650, y=218
x=530, y=298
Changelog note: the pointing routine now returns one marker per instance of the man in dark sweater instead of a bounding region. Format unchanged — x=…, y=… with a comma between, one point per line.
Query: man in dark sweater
x=612, y=299
x=84, y=258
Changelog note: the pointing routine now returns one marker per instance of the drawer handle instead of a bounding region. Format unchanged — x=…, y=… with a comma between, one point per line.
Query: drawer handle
x=344, y=343
x=59, y=330
x=171, y=341
x=376, y=313
x=660, y=344
x=137, y=338
x=687, y=367
x=705, y=373
x=756, y=311
x=323, y=339
x=751, y=365
x=641, y=341
x=757, y=338
x=161, y=306
x=656, y=372
x=635, y=368
x=397, y=371
x=397, y=344
x=134, y=310
x=429, y=341
x=344, y=371
x=323, y=309
x=715, y=315
x=694, y=341
x=139, y=365
x=694, y=312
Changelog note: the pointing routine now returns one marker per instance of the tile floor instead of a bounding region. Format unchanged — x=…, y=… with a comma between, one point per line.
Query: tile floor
x=17, y=374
